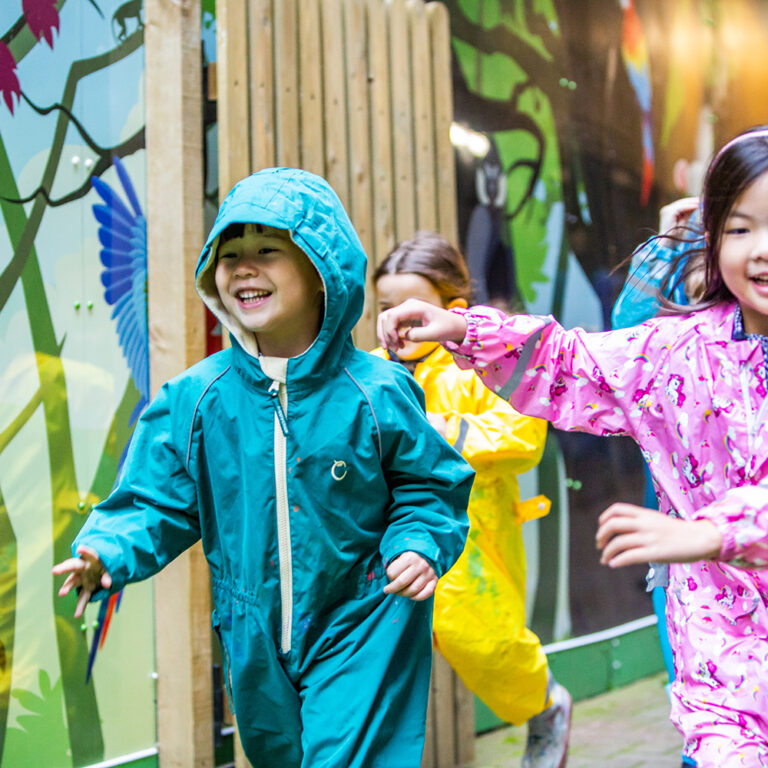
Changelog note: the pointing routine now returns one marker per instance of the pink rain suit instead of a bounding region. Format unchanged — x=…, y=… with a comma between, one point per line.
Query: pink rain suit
x=695, y=401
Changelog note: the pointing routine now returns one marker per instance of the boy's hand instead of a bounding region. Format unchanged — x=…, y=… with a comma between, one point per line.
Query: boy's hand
x=628, y=535
x=410, y=575
x=417, y=320
x=85, y=572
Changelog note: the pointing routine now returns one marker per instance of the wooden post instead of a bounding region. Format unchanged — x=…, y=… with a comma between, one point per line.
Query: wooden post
x=439, y=27
x=177, y=335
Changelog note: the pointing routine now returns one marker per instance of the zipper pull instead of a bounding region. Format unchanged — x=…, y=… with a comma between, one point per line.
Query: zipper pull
x=274, y=395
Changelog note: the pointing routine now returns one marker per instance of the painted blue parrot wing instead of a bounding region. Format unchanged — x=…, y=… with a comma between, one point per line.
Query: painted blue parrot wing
x=123, y=237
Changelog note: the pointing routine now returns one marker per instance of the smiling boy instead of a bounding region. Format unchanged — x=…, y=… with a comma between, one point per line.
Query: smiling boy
x=323, y=498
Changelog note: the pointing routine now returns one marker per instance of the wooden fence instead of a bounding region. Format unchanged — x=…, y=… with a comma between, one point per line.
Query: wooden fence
x=359, y=92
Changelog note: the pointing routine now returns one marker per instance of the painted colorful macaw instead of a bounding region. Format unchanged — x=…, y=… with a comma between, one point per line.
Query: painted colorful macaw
x=123, y=237
x=634, y=53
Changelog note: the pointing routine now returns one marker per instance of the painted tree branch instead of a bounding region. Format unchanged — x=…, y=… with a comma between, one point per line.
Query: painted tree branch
x=79, y=69
x=24, y=416
x=127, y=147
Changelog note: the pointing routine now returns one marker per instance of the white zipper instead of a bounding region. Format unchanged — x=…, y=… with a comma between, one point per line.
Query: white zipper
x=279, y=395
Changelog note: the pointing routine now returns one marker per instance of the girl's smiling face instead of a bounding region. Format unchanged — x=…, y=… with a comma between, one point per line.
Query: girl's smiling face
x=743, y=254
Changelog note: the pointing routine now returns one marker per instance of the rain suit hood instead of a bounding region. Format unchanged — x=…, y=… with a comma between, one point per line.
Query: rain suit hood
x=306, y=206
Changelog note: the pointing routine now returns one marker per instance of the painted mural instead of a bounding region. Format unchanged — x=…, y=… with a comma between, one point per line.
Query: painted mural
x=74, y=373
x=593, y=114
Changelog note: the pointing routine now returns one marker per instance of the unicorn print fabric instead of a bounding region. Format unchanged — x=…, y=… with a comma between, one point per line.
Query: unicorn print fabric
x=691, y=391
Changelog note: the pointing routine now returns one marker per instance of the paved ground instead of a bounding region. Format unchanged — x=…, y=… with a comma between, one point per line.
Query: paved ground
x=626, y=728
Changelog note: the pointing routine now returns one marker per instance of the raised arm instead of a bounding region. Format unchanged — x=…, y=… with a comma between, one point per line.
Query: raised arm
x=594, y=382
x=151, y=515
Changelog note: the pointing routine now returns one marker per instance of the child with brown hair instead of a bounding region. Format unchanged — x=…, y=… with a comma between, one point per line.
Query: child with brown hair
x=479, y=620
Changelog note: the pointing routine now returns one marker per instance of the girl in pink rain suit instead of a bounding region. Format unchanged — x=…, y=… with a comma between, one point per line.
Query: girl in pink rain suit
x=691, y=389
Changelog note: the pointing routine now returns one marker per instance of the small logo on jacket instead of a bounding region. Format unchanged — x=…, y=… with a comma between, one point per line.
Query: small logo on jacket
x=339, y=470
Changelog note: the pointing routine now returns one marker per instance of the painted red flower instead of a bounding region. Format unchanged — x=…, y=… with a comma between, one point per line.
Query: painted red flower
x=9, y=82
x=42, y=18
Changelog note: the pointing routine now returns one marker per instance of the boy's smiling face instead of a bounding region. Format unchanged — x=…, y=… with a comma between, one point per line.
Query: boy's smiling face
x=269, y=286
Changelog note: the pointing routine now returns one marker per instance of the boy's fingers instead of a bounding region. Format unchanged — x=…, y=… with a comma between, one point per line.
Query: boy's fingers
x=400, y=582
x=68, y=565
x=71, y=581
x=426, y=592
x=82, y=601
x=106, y=580
x=86, y=553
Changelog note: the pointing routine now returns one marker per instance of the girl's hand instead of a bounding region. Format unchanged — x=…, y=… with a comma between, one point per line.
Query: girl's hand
x=410, y=575
x=675, y=216
x=417, y=320
x=85, y=572
x=628, y=535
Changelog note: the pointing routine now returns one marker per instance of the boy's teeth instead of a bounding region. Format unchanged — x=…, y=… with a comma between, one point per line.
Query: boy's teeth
x=251, y=295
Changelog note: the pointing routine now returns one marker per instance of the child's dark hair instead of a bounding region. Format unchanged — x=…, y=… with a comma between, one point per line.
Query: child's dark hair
x=235, y=231
x=737, y=165
x=432, y=257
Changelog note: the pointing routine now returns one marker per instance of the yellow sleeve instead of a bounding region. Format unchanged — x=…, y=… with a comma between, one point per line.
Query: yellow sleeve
x=485, y=428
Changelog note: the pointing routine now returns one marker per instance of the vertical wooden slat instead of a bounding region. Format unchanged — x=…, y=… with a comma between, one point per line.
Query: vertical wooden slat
x=262, y=88
x=428, y=758
x=445, y=173
x=241, y=761
x=232, y=86
x=310, y=91
x=464, y=701
x=445, y=724
x=360, y=191
x=336, y=103
x=423, y=114
x=402, y=120
x=381, y=142
x=287, y=133
x=177, y=340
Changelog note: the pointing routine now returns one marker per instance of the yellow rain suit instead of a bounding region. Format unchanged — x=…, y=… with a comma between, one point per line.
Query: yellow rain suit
x=479, y=616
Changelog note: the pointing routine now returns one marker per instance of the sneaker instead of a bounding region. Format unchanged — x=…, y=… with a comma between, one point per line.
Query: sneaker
x=548, y=733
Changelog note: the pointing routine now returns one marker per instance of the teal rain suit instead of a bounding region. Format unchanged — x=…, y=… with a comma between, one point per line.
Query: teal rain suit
x=304, y=484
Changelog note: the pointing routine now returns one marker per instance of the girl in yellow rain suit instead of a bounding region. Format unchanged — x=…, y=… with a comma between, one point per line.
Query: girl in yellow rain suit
x=479, y=615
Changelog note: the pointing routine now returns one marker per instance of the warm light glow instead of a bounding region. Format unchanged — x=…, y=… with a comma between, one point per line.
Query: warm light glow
x=465, y=138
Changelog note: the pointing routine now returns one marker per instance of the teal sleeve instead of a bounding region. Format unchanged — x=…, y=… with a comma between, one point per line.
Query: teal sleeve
x=151, y=515
x=429, y=483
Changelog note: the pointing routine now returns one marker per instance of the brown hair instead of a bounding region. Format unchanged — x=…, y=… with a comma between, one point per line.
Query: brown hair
x=432, y=257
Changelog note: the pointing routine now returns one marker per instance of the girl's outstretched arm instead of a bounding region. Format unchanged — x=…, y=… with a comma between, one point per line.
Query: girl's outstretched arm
x=629, y=535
